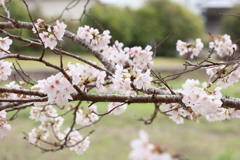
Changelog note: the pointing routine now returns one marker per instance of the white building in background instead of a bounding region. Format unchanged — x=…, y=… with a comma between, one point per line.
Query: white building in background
x=54, y=8
x=211, y=10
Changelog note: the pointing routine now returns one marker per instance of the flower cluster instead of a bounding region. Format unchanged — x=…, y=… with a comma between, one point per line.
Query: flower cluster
x=38, y=134
x=5, y=70
x=84, y=74
x=88, y=118
x=50, y=35
x=222, y=45
x=223, y=113
x=140, y=58
x=4, y=45
x=116, y=108
x=132, y=64
x=5, y=67
x=176, y=112
x=47, y=116
x=115, y=54
x=50, y=120
x=201, y=100
x=2, y=2
x=123, y=80
x=4, y=126
x=142, y=149
x=193, y=49
x=92, y=36
x=225, y=78
x=58, y=89
x=76, y=142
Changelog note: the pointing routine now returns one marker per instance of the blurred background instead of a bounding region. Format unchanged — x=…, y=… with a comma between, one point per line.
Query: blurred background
x=135, y=23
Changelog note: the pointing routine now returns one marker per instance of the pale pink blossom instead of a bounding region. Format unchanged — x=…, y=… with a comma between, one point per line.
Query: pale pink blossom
x=4, y=126
x=58, y=89
x=36, y=134
x=92, y=36
x=5, y=43
x=5, y=70
x=76, y=142
x=86, y=119
x=119, y=108
x=200, y=101
x=59, y=29
x=194, y=49
x=222, y=45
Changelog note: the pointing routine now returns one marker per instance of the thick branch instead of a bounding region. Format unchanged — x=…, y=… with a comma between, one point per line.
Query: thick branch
x=227, y=102
x=22, y=91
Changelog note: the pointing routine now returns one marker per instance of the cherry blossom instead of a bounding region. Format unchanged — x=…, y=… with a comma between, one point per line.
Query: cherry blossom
x=38, y=134
x=141, y=58
x=51, y=35
x=115, y=54
x=117, y=108
x=5, y=43
x=94, y=38
x=76, y=142
x=100, y=79
x=4, y=126
x=49, y=40
x=58, y=89
x=143, y=80
x=87, y=119
x=5, y=70
x=225, y=80
x=121, y=81
x=82, y=74
x=176, y=112
x=200, y=101
x=222, y=114
x=193, y=49
x=47, y=116
x=4, y=46
x=59, y=29
x=222, y=45
x=142, y=149
x=2, y=2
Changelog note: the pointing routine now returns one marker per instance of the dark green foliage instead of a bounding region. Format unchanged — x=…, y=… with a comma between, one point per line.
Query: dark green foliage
x=162, y=17
x=230, y=24
x=118, y=21
x=149, y=24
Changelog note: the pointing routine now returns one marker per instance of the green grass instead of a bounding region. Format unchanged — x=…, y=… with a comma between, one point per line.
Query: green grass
x=197, y=141
x=55, y=59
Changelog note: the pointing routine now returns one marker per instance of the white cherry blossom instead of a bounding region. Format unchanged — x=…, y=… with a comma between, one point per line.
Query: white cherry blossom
x=193, y=49
x=119, y=108
x=5, y=70
x=4, y=126
x=222, y=45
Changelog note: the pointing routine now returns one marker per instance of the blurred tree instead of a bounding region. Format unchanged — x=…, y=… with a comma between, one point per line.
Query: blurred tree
x=149, y=24
x=119, y=21
x=230, y=24
x=161, y=17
